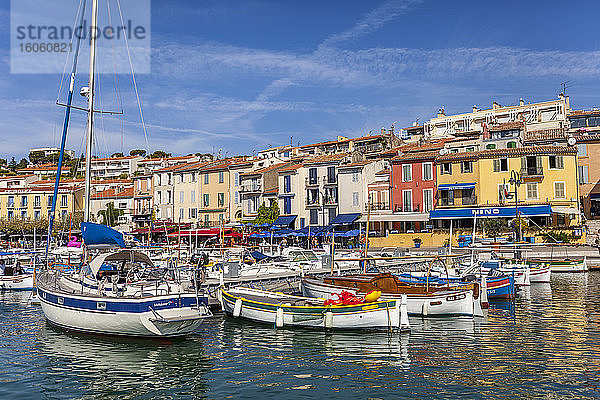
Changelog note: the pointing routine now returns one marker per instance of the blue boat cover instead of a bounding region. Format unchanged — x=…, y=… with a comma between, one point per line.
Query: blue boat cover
x=284, y=221
x=95, y=234
x=344, y=219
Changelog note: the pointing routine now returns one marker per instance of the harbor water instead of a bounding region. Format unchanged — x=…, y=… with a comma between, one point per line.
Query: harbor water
x=545, y=344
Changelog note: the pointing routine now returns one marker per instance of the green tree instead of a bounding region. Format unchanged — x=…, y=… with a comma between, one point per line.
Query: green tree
x=23, y=163
x=267, y=214
x=137, y=152
x=160, y=154
x=117, y=155
x=494, y=226
x=12, y=165
x=110, y=215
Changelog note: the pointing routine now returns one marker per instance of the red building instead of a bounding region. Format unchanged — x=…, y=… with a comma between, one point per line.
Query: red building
x=413, y=185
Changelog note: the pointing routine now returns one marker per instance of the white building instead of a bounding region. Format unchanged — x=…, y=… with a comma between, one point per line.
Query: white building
x=354, y=179
x=114, y=167
x=51, y=150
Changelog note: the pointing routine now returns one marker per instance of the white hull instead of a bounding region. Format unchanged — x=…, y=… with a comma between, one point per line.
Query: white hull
x=454, y=302
x=16, y=282
x=174, y=321
x=362, y=316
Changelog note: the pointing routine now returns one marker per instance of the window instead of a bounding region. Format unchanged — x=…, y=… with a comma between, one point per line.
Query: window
x=407, y=200
x=50, y=198
x=490, y=146
x=355, y=199
x=37, y=215
x=511, y=145
x=193, y=177
x=236, y=197
x=64, y=200
x=236, y=179
x=23, y=214
x=220, y=219
x=532, y=191
x=561, y=220
x=470, y=149
x=331, y=178
x=193, y=196
x=11, y=214
x=287, y=205
x=221, y=177
x=193, y=213
x=355, y=177
x=331, y=214
x=501, y=165
x=578, y=122
x=556, y=162
x=206, y=179
x=466, y=167
x=427, y=200
x=504, y=192
x=312, y=176
x=427, y=171
x=181, y=213
x=559, y=190
x=181, y=196
x=221, y=199
x=206, y=219
x=302, y=222
x=287, y=184
x=581, y=149
x=406, y=173
x=446, y=197
x=453, y=150
x=446, y=168
x=206, y=201
x=583, y=175
x=11, y=201
x=37, y=201
x=314, y=216
x=23, y=201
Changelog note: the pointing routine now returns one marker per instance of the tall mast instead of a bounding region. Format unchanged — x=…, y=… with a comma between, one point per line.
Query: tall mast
x=89, y=139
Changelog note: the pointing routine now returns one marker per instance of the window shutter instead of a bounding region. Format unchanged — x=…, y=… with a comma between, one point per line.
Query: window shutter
x=559, y=162
x=462, y=167
x=538, y=162
x=496, y=165
x=523, y=163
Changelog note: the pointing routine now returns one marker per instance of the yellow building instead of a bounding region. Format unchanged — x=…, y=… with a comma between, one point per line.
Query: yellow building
x=36, y=202
x=478, y=184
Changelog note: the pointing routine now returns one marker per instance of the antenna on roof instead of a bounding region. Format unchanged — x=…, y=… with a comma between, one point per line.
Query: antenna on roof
x=564, y=87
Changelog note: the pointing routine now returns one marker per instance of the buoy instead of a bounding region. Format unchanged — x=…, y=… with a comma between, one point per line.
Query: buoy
x=328, y=319
x=279, y=318
x=404, y=323
x=237, y=308
x=372, y=296
x=484, y=298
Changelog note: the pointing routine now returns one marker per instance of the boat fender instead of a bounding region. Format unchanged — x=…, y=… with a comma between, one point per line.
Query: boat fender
x=484, y=297
x=328, y=319
x=372, y=296
x=404, y=323
x=279, y=318
x=237, y=308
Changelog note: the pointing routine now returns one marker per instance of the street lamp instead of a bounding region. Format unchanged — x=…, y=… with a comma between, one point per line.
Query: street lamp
x=515, y=179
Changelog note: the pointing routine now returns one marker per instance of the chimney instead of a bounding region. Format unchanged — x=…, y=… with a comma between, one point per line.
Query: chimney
x=521, y=102
x=475, y=109
x=495, y=105
x=383, y=130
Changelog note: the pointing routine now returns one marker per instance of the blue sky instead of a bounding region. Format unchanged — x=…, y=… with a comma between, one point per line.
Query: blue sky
x=237, y=76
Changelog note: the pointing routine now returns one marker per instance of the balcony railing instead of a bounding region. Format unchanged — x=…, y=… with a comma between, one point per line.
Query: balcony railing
x=312, y=181
x=532, y=171
x=380, y=206
x=330, y=201
x=312, y=202
x=445, y=202
x=403, y=208
x=143, y=211
x=251, y=187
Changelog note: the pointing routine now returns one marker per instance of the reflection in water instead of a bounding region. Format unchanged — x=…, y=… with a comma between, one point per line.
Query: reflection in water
x=542, y=345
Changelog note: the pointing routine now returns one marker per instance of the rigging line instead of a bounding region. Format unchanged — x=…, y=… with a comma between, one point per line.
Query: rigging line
x=62, y=77
x=137, y=95
x=116, y=77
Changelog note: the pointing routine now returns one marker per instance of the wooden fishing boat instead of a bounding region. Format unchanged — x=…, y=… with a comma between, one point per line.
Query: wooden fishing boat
x=422, y=299
x=286, y=310
x=16, y=282
x=500, y=287
x=568, y=264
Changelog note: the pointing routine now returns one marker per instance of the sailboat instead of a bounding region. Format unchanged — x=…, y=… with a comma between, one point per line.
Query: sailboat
x=120, y=291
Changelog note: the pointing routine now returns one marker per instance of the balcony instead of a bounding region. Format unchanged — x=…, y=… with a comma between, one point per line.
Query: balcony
x=313, y=202
x=380, y=206
x=532, y=171
x=444, y=202
x=331, y=200
x=407, y=208
x=254, y=187
x=312, y=181
x=143, y=211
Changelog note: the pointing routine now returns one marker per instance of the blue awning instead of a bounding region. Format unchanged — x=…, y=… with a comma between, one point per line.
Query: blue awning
x=491, y=212
x=284, y=221
x=452, y=186
x=344, y=219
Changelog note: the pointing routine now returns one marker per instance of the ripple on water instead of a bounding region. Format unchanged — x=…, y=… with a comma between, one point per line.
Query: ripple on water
x=542, y=345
